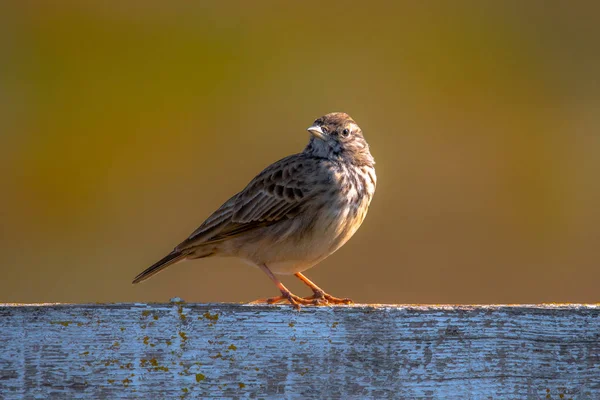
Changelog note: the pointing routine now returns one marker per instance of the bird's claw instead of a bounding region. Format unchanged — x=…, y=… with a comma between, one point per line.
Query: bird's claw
x=318, y=299
x=323, y=299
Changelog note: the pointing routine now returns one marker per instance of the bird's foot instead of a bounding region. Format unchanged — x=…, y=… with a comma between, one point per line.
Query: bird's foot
x=319, y=298
x=294, y=300
x=322, y=298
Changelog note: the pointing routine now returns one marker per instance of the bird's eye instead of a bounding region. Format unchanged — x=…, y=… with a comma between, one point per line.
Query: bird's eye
x=324, y=129
x=346, y=132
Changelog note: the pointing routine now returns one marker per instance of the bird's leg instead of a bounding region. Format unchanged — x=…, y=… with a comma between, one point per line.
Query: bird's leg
x=320, y=296
x=285, y=293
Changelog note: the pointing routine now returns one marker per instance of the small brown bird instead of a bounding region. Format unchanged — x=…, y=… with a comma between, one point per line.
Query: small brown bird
x=295, y=213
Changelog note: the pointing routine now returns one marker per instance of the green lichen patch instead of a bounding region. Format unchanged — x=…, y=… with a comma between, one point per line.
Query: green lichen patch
x=152, y=365
x=63, y=323
x=182, y=316
x=211, y=317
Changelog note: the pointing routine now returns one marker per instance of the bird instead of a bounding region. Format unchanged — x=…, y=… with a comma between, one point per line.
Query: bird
x=294, y=214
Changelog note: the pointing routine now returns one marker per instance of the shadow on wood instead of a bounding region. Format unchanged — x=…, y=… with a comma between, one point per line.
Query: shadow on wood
x=178, y=350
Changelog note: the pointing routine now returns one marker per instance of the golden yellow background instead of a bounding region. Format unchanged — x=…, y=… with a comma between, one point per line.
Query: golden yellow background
x=124, y=124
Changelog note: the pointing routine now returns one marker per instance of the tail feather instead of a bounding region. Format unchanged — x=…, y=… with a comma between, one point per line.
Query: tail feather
x=172, y=258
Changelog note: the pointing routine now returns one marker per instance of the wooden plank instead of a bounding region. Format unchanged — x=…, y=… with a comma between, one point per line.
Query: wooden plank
x=153, y=351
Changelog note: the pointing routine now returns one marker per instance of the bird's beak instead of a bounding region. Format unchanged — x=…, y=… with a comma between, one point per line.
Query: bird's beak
x=316, y=131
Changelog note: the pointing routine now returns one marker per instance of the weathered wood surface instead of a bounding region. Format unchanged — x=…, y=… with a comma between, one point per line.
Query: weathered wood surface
x=155, y=351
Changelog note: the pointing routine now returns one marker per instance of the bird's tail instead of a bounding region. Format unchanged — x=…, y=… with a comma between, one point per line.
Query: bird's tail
x=172, y=258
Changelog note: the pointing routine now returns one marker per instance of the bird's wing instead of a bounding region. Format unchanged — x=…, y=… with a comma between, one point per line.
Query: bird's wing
x=278, y=192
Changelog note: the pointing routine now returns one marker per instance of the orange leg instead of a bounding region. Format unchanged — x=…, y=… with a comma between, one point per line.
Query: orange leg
x=286, y=295
x=319, y=294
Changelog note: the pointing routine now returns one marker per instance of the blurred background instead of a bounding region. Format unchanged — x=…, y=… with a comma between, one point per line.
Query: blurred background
x=123, y=125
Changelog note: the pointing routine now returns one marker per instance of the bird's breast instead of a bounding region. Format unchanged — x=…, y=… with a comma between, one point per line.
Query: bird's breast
x=347, y=208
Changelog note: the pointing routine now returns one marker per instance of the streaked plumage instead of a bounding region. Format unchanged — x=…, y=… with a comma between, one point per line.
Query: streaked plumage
x=295, y=213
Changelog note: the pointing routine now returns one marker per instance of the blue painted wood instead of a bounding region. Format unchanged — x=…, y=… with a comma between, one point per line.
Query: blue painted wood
x=124, y=351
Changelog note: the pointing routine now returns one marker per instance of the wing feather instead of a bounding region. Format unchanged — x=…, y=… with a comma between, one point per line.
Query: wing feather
x=278, y=192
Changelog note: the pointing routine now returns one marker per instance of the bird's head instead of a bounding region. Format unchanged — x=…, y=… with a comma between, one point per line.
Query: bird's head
x=337, y=136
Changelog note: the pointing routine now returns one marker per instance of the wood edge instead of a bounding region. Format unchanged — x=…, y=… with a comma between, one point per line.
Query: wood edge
x=417, y=307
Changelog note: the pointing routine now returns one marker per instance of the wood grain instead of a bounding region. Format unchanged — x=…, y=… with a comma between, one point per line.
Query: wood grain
x=178, y=350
